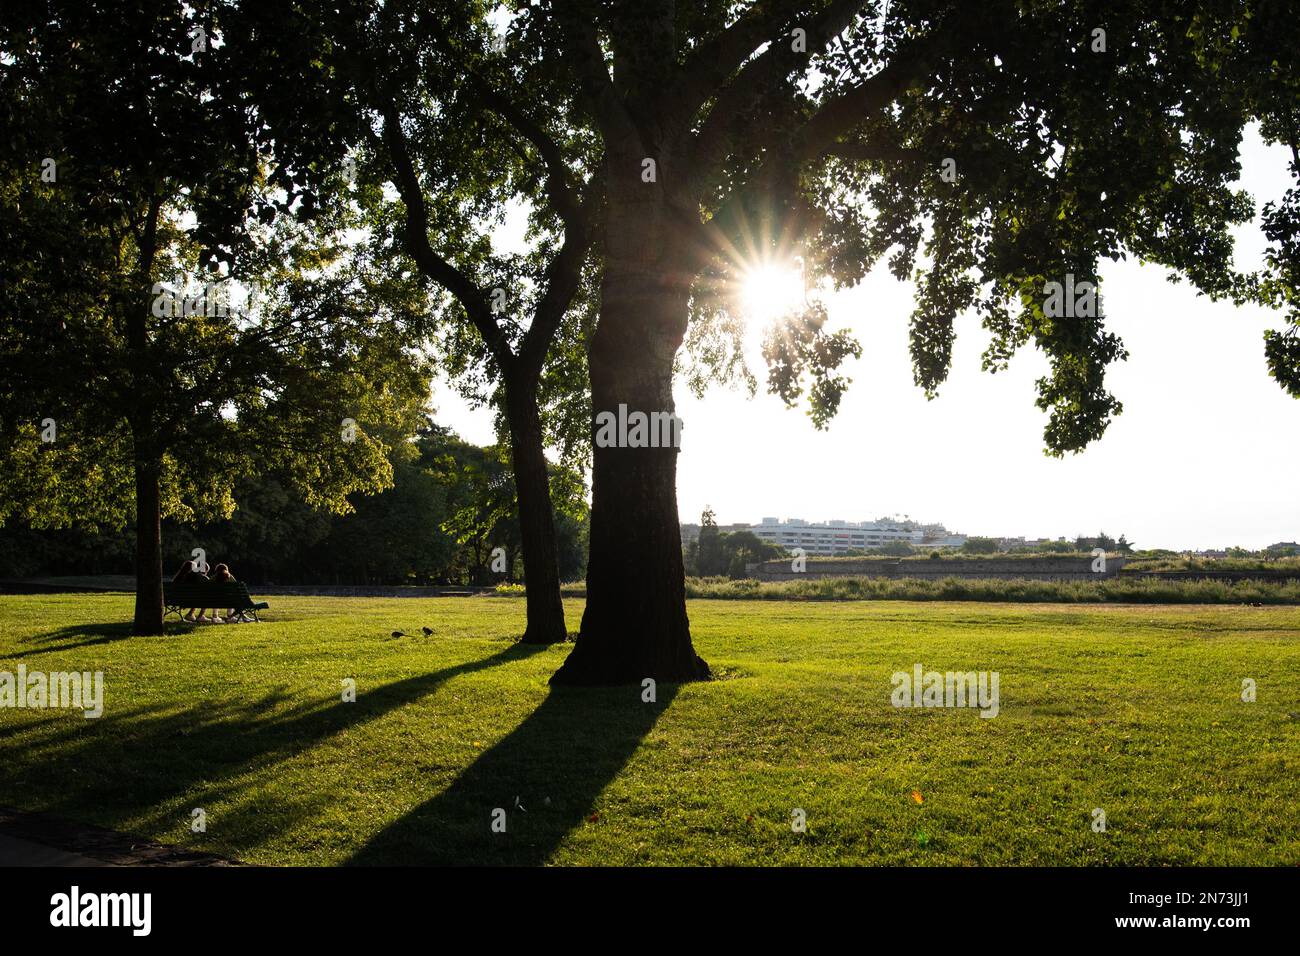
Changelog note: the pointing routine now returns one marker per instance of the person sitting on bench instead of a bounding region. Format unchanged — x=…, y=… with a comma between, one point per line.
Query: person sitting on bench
x=190, y=587
x=221, y=574
x=184, y=576
x=194, y=576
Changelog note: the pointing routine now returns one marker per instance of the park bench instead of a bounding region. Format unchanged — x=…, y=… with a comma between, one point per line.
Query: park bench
x=212, y=594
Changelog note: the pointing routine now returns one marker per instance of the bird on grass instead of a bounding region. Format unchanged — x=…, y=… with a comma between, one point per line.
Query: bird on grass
x=428, y=631
x=398, y=634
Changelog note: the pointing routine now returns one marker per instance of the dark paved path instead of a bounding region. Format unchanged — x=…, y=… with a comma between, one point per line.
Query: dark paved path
x=37, y=839
x=15, y=852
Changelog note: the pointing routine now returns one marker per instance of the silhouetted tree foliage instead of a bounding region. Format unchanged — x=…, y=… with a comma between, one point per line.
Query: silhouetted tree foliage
x=412, y=533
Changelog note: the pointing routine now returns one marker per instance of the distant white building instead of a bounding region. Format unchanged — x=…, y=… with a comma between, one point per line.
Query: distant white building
x=836, y=536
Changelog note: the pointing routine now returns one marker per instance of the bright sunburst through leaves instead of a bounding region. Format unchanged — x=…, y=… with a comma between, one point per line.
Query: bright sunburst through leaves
x=771, y=291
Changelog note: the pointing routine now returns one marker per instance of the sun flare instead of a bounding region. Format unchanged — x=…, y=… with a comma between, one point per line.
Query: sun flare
x=771, y=291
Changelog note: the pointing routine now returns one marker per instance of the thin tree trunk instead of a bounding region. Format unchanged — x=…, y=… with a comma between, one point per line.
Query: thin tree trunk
x=536, y=517
x=147, y=455
x=635, y=623
x=148, y=548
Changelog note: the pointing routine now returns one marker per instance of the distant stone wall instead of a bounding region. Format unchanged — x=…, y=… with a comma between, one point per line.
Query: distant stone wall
x=375, y=590
x=1035, y=569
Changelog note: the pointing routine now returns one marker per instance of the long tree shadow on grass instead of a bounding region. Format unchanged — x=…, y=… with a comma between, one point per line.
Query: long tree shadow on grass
x=139, y=760
x=65, y=639
x=545, y=774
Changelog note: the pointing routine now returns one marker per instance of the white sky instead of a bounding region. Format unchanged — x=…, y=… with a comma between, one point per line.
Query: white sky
x=1205, y=454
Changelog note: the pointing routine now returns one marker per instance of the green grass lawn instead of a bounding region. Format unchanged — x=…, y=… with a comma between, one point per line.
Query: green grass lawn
x=1136, y=710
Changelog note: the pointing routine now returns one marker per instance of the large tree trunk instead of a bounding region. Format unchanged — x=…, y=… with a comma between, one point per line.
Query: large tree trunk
x=635, y=623
x=536, y=517
x=148, y=548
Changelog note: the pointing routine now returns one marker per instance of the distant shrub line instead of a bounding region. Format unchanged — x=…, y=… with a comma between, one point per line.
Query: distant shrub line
x=1114, y=590
x=1212, y=564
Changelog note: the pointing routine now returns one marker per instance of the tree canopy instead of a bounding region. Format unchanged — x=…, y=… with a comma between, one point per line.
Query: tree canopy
x=996, y=155
x=138, y=219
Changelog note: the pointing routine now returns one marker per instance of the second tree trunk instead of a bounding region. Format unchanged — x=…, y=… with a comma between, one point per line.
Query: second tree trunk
x=148, y=548
x=536, y=517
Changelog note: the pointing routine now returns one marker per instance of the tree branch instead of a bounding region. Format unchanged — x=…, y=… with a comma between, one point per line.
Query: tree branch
x=564, y=275
x=739, y=97
x=416, y=240
x=872, y=151
x=712, y=62
x=906, y=68
x=559, y=182
x=559, y=187
x=578, y=28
